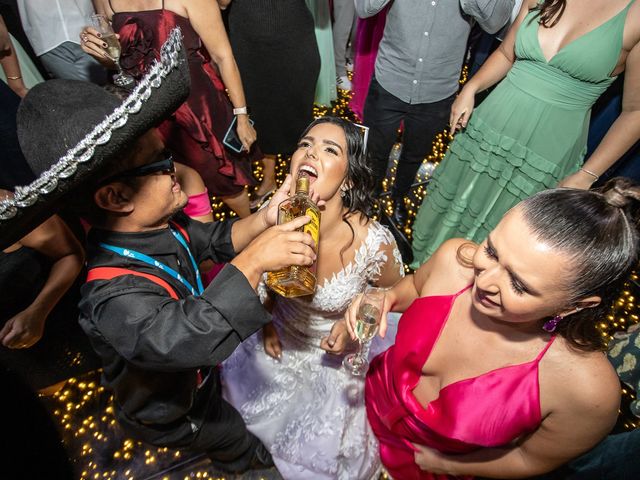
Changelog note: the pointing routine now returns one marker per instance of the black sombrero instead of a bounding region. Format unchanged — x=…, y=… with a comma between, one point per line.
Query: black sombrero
x=70, y=131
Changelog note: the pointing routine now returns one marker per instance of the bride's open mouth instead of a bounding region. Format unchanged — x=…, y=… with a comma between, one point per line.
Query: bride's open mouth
x=311, y=171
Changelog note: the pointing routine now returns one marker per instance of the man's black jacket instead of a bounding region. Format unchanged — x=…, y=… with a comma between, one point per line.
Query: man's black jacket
x=151, y=345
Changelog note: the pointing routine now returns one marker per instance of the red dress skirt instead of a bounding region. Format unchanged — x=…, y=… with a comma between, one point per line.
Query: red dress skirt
x=195, y=131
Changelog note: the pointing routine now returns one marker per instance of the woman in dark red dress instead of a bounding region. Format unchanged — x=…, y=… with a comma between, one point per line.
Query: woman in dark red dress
x=196, y=130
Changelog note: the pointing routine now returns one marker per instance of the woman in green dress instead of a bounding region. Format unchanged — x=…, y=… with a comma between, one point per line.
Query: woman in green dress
x=530, y=133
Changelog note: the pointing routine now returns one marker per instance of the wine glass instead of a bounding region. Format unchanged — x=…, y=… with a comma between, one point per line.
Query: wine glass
x=101, y=24
x=367, y=322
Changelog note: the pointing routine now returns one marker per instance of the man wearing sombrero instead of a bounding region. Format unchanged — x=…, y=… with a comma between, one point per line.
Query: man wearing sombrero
x=159, y=332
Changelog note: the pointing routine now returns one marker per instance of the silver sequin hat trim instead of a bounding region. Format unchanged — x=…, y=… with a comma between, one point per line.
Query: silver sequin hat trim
x=66, y=167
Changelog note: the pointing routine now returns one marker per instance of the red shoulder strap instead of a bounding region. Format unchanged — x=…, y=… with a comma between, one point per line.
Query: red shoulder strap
x=107, y=273
x=182, y=230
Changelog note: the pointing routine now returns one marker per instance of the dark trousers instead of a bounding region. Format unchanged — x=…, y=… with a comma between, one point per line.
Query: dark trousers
x=213, y=427
x=383, y=113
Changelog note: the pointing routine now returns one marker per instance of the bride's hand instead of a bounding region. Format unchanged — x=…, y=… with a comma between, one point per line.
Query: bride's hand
x=337, y=340
x=272, y=345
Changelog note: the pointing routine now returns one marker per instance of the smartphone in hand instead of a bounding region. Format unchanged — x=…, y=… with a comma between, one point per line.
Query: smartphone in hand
x=231, y=139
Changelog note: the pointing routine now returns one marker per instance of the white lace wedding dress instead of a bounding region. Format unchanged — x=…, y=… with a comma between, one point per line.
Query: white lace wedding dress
x=306, y=408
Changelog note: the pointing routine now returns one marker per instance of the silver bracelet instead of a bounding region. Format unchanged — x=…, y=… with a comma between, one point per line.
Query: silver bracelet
x=588, y=172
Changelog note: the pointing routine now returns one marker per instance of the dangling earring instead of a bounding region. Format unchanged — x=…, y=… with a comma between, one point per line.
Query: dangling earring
x=343, y=191
x=550, y=325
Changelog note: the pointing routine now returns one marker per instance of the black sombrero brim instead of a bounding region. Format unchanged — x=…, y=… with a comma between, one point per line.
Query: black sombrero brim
x=107, y=134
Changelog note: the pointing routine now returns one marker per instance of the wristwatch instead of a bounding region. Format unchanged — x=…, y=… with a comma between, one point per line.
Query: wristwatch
x=241, y=111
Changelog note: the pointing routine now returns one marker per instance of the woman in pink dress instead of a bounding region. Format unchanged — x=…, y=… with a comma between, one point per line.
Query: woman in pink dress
x=497, y=369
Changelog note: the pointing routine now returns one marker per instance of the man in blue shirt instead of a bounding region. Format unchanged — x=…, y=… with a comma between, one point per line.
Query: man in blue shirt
x=416, y=78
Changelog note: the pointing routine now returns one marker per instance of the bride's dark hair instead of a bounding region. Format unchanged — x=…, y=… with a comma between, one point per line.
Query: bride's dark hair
x=550, y=11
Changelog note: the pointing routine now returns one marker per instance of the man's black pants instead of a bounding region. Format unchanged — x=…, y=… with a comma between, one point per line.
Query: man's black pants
x=215, y=428
x=383, y=113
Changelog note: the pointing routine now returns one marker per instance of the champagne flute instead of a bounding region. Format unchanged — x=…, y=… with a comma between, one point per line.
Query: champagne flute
x=101, y=24
x=367, y=322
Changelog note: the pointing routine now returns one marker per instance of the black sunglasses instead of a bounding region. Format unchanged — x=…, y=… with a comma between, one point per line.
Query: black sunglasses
x=164, y=165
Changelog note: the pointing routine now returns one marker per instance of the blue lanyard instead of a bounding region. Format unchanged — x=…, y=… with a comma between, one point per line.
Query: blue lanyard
x=182, y=240
x=127, y=252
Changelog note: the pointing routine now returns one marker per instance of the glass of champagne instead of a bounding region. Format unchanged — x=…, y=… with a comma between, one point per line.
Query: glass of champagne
x=367, y=322
x=103, y=26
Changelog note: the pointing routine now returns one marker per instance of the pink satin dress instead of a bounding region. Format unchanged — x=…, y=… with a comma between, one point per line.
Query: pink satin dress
x=489, y=410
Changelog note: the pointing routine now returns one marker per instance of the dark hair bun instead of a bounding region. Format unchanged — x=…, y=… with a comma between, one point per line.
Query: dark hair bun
x=621, y=192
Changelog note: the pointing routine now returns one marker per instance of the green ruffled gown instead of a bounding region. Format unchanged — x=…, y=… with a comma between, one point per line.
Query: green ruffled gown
x=526, y=136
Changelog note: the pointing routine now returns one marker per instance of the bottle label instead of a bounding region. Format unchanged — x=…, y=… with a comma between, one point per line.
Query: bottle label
x=313, y=227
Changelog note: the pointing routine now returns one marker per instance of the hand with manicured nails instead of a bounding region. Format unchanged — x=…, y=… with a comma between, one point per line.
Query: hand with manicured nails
x=338, y=339
x=92, y=43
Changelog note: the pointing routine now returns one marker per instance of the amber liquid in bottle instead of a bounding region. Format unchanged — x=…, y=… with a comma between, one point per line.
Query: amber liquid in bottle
x=296, y=280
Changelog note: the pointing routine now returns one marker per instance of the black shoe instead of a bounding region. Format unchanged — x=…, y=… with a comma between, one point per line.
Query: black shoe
x=400, y=214
x=262, y=459
x=256, y=458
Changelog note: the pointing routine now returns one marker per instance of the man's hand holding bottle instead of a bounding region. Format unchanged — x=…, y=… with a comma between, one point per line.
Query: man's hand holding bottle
x=279, y=246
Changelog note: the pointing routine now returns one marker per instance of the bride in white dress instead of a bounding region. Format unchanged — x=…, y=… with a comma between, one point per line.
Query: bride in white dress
x=287, y=381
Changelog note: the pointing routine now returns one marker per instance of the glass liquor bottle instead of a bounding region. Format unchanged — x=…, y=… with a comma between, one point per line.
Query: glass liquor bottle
x=297, y=280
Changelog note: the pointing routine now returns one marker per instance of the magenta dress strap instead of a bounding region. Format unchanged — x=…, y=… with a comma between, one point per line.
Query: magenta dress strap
x=488, y=410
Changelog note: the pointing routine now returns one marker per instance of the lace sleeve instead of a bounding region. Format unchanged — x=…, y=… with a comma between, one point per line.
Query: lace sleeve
x=386, y=264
